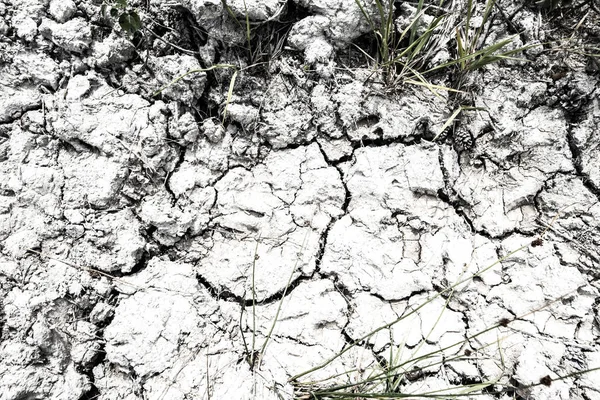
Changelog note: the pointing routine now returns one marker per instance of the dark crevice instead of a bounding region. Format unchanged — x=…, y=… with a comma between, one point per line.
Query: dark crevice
x=341, y=160
x=322, y=246
x=458, y=208
x=7, y=192
x=74, y=145
x=93, y=393
x=340, y=287
x=405, y=298
x=291, y=146
x=576, y=154
x=381, y=141
x=443, y=194
x=325, y=235
x=100, y=357
x=141, y=264
x=180, y=160
x=227, y=295
x=277, y=296
x=6, y=288
x=221, y=294
x=349, y=342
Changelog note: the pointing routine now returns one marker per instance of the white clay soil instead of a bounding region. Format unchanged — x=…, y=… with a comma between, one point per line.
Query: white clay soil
x=254, y=220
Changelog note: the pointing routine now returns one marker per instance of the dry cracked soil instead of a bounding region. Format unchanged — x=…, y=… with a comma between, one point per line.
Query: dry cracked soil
x=263, y=215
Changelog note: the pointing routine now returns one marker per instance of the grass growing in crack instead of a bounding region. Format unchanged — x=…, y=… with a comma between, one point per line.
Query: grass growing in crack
x=357, y=389
x=247, y=28
x=254, y=356
x=199, y=70
x=252, y=33
x=251, y=353
x=401, y=54
x=406, y=56
x=471, y=54
x=384, y=381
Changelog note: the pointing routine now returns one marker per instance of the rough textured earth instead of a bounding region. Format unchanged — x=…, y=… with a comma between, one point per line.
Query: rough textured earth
x=212, y=243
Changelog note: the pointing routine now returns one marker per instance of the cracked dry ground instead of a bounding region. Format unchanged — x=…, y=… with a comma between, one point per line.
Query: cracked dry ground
x=147, y=246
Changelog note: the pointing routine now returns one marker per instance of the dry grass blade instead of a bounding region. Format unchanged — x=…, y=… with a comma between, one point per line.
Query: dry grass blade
x=193, y=71
x=348, y=390
x=229, y=94
x=91, y=271
x=403, y=317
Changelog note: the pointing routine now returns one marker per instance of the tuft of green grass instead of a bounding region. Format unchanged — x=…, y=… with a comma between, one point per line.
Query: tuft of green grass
x=264, y=39
x=402, y=54
x=406, y=56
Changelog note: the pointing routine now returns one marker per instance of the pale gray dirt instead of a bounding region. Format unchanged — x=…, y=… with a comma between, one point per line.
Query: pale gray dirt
x=147, y=244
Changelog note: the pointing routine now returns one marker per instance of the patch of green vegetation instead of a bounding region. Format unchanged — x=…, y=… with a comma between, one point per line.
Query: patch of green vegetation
x=407, y=56
x=264, y=39
x=119, y=10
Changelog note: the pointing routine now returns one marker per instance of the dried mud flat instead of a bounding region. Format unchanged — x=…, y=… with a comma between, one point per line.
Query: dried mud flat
x=148, y=243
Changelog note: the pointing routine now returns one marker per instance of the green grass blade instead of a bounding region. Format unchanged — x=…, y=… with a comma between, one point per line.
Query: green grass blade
x=486, y=16
x=489, y=57
x=248, y=31
x=364, y=13
x=409, y=51
x=467, y=23
x=449, y=122
x=415, y=24
x=486, y=51
x=231, y=14
x=462, y=51
x=411, y=26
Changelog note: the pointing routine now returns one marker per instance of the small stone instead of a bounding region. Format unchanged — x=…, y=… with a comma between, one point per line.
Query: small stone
x=78, y=86
x=20, y=242
x=213, y=131
x=74, y=216
x=62, y=10
x=74, y=231
x=3, y=27
x=101, y=313
x=74, y=35
x=26, y=29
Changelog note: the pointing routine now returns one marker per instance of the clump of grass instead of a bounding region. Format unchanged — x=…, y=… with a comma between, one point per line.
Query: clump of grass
x=247, y=28
x=406, y=56
x=472, y=54
x=254, y=35
x=402, y=54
